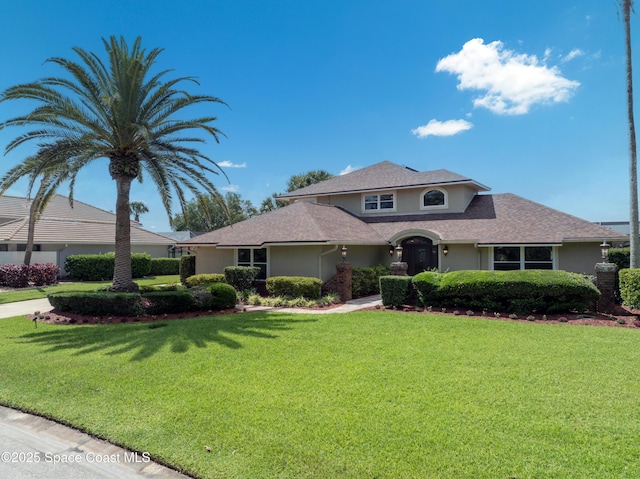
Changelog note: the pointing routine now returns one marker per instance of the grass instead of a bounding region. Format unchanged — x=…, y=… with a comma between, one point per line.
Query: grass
x=42, y=291
x=368, y=394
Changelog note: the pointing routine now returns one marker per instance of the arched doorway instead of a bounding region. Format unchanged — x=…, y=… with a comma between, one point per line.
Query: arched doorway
x=420, y=254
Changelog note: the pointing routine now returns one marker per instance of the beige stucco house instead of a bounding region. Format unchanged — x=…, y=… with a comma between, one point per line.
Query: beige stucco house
x=62, y=231
x=441, y=219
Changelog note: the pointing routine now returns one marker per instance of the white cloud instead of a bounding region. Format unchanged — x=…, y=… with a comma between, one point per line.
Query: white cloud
x=512, y=82
x=442, y=128
x=232, y=188
x=575, y=53
x=348, y=169
x=228, y=164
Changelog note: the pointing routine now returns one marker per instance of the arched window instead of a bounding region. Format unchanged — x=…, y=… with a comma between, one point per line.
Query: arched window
x=433, y=199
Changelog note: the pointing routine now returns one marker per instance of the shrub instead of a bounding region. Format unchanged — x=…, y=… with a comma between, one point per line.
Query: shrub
x=96, y=303
x=427, y=284
x=223, y=296
x=41, y=274
x=187, y=267
x=294, y=286
x=395, y=290
x=201, y=298
x=164, y=266
x=202, y=279
x=99, y=267
x=241, y=277
x=620, y=257
x=630, y=287
x=366, y=281
x=14, y=275
x=160, y=302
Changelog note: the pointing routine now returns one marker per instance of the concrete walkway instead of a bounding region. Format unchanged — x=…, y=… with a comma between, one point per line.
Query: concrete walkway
x=31, y=446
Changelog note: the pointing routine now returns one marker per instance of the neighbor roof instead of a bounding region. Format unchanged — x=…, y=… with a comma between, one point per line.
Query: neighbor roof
x=489, y=219
x=381, y=176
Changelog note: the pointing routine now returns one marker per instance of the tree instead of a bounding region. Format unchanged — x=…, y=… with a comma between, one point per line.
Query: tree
x=138, y=208
x=211, y=213
x=122, y=112
x=295, y=183
x=634, y=233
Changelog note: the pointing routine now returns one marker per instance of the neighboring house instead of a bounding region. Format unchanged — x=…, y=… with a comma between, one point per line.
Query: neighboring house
x=62, y=231
x=441, y=219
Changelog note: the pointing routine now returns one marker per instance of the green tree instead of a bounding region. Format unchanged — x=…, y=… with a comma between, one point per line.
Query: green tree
x=295, y=183
x=207, y=213
x=138, y=208
x=123, y=112
x=634, y=233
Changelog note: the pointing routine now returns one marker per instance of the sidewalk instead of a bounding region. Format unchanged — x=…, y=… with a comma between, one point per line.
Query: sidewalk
x=9, y=310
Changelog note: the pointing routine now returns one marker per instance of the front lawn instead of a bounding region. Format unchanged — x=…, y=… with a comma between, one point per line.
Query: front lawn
x=359, y=395
x=41, y=291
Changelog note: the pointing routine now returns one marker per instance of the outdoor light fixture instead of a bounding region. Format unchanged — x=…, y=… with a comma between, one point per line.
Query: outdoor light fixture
x=390, y=250
x=604, y=247
x=343, y=251
x=399, y=253
x=445, y=250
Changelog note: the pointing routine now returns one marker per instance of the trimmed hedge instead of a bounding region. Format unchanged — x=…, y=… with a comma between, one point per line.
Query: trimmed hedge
x=164, y=266
x=295, y=286
x=160, y=302
x=223, y=296
x=366, y=281
x=20, y=275
x=99, y=267
x=630, y=287
x=204, y=279
x=241, y=277
x=187, y=267
x=395, y=290
x=541, y=291
x=427, y=285
x=621, y=257
x=97, y=303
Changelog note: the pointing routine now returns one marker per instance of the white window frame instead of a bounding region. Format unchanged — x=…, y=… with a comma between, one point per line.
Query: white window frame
x=434, y=207
x=554, y=254
x=378, y=195
x=252, y=261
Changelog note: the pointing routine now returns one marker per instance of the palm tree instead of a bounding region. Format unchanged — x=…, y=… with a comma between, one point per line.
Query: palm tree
x=122, y=112
x=634, y=233
x=138, y=208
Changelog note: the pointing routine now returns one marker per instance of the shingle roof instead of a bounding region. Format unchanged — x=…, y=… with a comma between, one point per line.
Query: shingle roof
x=58, y=207
x=489, y=219
x=383, y=175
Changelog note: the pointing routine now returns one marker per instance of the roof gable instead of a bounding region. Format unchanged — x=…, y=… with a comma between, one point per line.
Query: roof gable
x=383, y=175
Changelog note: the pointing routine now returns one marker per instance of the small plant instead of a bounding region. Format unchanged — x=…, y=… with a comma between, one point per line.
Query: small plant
x=621, y=321
x=531, y=318
x=636, y=323
x=456, y=312
x=563, y=319
x=444, y=310
x=419, y=310
x=470, y=313
x=430, y=309
x=496, y=315
x=513, y=316
x=544, y=317
x=484, y=312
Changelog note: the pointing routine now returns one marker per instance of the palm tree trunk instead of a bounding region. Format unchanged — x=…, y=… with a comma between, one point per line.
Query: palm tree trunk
x=122, y=277
x=634, y=234
x=33, y=212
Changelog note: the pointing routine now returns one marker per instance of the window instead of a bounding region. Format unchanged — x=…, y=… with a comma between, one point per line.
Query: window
x=522, y=257
x=254, y=257
x=433, y=199
x=4, y=247
x=23, y=247
x=384, y=201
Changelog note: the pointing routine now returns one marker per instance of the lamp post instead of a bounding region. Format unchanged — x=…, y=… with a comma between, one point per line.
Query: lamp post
x=399, y=253
x=343, y=251
x=604, y=248
x=445, y=250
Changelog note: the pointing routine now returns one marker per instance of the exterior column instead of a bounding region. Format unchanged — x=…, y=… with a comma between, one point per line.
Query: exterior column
x=399, y=268
x=606, y=283
x=343, y=281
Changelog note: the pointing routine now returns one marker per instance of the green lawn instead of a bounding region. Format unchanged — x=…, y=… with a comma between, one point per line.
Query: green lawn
x=360, y=395
x=42, y=291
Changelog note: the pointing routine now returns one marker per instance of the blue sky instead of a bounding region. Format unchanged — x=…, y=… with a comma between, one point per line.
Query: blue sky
x=524, y=97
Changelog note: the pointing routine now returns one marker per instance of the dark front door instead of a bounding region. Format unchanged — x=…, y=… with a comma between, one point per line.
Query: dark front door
x=420, y=254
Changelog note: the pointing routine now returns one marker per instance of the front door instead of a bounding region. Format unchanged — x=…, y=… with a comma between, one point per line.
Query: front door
x=420, y=254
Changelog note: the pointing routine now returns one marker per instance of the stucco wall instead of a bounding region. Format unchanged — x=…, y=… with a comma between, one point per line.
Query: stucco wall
x=579, y=257
x=213, y=260
x=461, y=256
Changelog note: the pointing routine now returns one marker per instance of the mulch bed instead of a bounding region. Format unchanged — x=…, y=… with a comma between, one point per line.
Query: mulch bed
x=59, y=317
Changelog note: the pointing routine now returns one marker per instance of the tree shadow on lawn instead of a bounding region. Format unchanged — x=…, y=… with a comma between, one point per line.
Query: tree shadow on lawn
x=146, y=339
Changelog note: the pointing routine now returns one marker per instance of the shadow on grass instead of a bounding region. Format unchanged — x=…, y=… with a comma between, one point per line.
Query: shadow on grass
x=146, y=339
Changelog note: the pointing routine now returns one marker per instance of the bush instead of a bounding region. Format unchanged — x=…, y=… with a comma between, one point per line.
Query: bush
x=14, y=275
x=99, y=267
x=223, y=296
x=620, y=257
x=395, y=290
x=294, y=286
x=41, y=274
x=204, y=279
x=630, y=287
x=427, y=285
x=161, y=302
x=201, y=298
x=241, y=277
x=366, y=281
x=187, y=267
x=164, y=266
x=542, y=291
x=94, y=303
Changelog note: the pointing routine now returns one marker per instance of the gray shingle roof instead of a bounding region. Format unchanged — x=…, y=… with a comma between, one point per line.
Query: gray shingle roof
x=383, y=175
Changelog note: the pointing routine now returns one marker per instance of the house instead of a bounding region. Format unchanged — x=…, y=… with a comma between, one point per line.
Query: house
x=62, y=231
x=441, y=220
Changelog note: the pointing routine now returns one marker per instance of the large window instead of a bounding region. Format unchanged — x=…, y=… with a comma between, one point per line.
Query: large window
x=23, y=247
x=383, y=201
x=434, y=198
x=522, y=257
x=254, y=257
